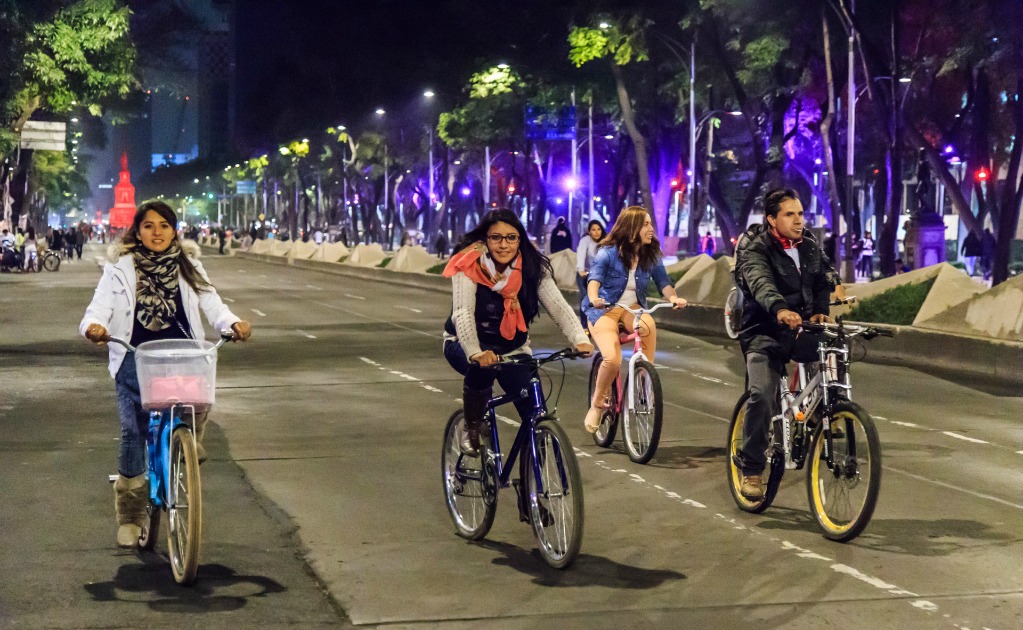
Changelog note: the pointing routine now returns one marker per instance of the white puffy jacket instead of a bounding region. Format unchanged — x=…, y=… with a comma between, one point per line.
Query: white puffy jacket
x=113, y=304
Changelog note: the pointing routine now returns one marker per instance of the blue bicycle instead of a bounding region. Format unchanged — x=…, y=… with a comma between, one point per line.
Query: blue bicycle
x=177, y=381
x=549, y=488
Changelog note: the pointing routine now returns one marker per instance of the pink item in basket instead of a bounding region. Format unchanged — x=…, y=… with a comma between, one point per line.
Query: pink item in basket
x=167, y=390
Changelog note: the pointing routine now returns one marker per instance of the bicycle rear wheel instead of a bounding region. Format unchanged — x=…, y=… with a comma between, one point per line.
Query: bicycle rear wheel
x=184, y=507
x=604, y=436
x=843, y=498
x=470, y=484
x=775, y=463
x=641, y=425
x=556, y=500
x=51, y=262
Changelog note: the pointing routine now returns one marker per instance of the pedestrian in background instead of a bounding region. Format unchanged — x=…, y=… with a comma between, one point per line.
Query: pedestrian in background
x=707, y=244
x=584, y=254
x=561, y=237
x=987, y=253
x=79, y=241
x=971, y=251
x=154, y=290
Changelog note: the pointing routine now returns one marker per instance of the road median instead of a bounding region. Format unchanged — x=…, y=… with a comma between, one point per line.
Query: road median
x=954, y=356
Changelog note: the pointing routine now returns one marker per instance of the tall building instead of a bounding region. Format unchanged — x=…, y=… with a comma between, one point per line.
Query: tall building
x=216, y=87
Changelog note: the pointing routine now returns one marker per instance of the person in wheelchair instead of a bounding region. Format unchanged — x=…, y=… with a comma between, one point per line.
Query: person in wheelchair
x=785, y=278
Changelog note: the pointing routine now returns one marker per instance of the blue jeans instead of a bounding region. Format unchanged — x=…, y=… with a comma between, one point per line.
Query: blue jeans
x=512, y=378
x=131, y=461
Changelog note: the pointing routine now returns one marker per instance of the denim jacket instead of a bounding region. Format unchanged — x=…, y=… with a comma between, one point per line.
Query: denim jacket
x=608, y=270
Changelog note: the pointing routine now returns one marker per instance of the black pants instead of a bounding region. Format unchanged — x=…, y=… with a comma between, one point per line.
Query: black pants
x=764, y=370
x=581, y=281
x=511, y=377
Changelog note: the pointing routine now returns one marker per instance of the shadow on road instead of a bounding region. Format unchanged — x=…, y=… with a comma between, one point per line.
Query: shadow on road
x=940, y=537
x=217, y=588
x=687, y=457
x=586, y=571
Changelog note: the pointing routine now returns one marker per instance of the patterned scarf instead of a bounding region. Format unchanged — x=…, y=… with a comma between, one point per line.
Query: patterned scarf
x=157, y=286
x=475, y=262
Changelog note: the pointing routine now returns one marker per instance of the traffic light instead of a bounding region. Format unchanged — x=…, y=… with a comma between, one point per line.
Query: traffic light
x=674, y=183
x=982, y=174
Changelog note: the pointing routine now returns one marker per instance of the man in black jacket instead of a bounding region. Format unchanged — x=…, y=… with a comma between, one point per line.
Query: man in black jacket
x=785, y=278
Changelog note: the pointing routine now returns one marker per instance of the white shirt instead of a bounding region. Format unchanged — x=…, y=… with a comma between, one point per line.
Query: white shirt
x=794, y=255
x=629, y=296
x=584, y=254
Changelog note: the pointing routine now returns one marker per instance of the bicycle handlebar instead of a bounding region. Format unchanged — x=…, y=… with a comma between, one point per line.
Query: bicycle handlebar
x=640, y=310
x=867, y=332
x=225, y=336
x=566, y=353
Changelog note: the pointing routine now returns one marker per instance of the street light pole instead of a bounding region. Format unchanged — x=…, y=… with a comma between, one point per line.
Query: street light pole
x=691, y=179
x=591, y=189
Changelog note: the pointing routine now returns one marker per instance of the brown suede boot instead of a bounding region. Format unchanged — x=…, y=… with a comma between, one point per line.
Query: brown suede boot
x=131, y=494
x=474, y=404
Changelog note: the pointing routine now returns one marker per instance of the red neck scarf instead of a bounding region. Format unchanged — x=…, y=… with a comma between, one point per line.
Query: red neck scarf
x=785, y=243
x=474, y=262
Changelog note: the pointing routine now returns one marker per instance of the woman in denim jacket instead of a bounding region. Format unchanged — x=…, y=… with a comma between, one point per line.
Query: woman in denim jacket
x=622, y=268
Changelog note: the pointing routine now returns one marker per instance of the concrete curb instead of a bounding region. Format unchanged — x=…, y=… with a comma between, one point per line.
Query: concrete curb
x=958, y=356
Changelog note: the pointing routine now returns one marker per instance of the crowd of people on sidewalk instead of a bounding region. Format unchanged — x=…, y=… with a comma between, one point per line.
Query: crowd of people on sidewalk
x=21, y=250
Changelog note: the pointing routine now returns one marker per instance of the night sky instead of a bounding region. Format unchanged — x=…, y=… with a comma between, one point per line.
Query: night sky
x=305, y=64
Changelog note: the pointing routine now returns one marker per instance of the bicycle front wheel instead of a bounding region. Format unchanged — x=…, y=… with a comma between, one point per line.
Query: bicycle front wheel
x=772, y=474
x=184, y=507
x=554, y=490
x=843, y=493
x=604, y=436
x=732, y=313
x=470, y=485
x=51, y=262
x=642, y=423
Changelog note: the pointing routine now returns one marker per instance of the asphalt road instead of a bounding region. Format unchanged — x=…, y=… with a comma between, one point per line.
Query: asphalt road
x=324, y=503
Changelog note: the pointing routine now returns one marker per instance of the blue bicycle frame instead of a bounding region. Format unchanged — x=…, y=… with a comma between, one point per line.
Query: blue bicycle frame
x=162, y=425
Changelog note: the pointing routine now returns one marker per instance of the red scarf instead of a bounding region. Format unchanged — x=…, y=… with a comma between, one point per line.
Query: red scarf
x=478, y=267
x=785, y=243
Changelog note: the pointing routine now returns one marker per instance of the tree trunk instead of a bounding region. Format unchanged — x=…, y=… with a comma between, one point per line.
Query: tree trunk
x=638, y=142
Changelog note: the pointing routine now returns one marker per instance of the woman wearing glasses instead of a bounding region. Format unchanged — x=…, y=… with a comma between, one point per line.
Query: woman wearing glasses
x=627, y=259
x=499, y=280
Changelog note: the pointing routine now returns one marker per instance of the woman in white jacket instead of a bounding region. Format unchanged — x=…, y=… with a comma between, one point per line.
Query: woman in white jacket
x=154, y=289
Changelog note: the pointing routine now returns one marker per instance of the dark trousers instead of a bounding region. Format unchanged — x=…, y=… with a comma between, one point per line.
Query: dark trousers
x=764, y=369
x=580, y=281
x=512, y=378
x=762, y=405
x=78, y=248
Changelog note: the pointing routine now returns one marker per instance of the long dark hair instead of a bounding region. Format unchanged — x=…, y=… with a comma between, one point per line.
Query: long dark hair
x=131, y=241
x=534, y=264
x=624, y=237
x=597, y=223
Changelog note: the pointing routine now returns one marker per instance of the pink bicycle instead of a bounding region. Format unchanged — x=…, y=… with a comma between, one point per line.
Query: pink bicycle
x=641, y=411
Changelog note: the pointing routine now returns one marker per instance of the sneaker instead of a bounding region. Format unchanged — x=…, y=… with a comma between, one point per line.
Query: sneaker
x=752, y=487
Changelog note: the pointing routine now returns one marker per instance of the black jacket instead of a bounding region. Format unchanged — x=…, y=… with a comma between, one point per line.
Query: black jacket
x=770, y=282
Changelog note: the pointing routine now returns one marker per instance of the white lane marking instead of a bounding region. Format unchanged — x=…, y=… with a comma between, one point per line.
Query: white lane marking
x=309, y=286
x=258, y=312
x=399, y=374
x=1019, y=452
x=370, y=361
x=242, y=271
x=305, y=334
x=409, y=308
x=957, y=488
x=354, y=297
x=227, y=299
x=923, y=604
x=373, y=319
x=966, y=438
x=904, y=424
x=690, y=409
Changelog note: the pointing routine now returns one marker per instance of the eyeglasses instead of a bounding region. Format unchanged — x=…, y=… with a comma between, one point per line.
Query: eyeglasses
x=495, y=239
